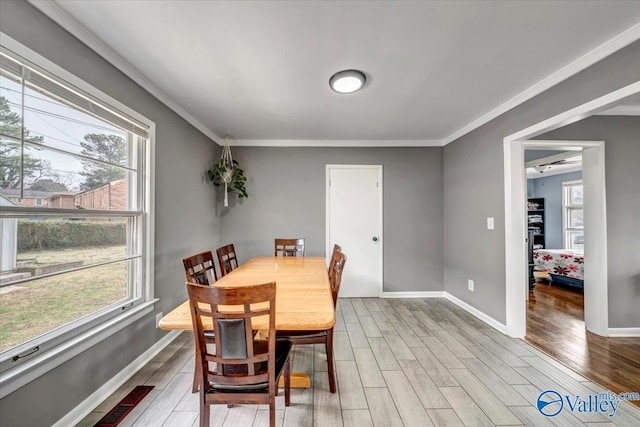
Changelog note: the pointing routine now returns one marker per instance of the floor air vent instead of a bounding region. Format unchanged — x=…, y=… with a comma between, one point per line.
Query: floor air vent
x=126, y=405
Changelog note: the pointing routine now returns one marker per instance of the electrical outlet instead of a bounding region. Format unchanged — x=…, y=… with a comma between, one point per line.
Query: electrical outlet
x=158, y=317
x=471, y=285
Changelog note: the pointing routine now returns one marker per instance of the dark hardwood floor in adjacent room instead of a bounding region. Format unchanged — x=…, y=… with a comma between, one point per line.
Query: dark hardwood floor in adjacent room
x=555, y=324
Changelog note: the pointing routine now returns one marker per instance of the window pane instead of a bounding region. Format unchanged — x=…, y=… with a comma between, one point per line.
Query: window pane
x=58, y=125
x=34, y=308
x=575, y=195
x=62, y=148
x=49, y=245
x=575, y=218
x=64, y=181
x=575, y=239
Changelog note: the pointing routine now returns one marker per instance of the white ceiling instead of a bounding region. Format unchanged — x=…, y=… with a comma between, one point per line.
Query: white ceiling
x=260, y=70
x=553, y=160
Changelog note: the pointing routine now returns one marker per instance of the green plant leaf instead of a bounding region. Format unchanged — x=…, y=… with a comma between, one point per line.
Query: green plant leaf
x=237, y=184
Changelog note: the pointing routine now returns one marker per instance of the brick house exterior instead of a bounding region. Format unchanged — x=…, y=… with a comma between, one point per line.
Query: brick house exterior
x=110, y=196
x=62, y=200
x=29, y=198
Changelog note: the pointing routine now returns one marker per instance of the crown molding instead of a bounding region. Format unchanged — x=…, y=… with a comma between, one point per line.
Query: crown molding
x=622, y=110
x=612, y=45
x=335, y=143
x=82, y=33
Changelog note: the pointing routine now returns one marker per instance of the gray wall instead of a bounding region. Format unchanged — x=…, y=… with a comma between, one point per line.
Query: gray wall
x=185, y=220
x=550, y=188
x=474, y=184
x=287, y=199
x=622, y=156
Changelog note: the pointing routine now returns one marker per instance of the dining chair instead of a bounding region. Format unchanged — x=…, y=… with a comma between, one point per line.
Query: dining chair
x=200, y=268
x=336, y=248
x=289, y=247
x=227, y=259
x=324, y=336
x=240, y=369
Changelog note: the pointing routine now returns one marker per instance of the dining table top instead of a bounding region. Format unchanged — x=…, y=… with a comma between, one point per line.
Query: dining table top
x=303, y=295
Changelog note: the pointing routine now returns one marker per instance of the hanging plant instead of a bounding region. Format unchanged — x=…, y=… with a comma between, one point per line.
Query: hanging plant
x=228, y=172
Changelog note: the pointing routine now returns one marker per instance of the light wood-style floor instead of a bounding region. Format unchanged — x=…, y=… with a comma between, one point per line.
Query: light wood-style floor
x=411, y=362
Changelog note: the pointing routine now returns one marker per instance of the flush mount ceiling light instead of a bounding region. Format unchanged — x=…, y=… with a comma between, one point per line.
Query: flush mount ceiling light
x=347, y=81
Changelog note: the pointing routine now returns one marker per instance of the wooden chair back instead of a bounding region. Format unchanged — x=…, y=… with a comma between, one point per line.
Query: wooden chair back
x=234, y=363
x=289, y=247
x=227, y=259
x=336, y=279
x=334, y=254
x=199, y=268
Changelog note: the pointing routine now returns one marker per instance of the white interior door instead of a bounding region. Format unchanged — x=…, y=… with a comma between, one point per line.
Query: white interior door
x=354, y=221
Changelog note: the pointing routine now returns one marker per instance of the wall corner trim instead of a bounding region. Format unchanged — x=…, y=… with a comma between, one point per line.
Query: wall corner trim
x=76, y=415
x=477, y=313
x=377, y=143
x=624, y=332
x=423, y=294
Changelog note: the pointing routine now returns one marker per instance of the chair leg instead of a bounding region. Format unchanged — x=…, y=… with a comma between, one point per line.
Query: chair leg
x=287, y=382
x=196, y=379
x=272, y=411
x=329, y=347
x=204, y=413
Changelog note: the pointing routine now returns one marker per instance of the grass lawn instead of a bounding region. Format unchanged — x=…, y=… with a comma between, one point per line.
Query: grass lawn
x=42, y=305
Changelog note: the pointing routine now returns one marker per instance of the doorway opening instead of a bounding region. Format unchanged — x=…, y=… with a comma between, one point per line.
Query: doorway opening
x=516, y=264
x=594, y=257
x=555, y=240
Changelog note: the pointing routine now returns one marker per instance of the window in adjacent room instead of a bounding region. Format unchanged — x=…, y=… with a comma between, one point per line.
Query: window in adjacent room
x=572, y=215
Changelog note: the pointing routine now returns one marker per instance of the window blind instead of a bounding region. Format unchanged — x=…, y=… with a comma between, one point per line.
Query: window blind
x=71, y=96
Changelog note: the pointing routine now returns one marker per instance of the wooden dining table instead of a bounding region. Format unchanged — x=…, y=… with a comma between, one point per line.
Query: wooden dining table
x=303, y=297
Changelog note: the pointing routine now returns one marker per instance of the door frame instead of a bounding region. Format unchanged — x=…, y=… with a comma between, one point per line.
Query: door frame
x=515, y=215
x=328, y=248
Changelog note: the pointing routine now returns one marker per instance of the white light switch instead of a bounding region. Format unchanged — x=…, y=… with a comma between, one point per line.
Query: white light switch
x=490, y=223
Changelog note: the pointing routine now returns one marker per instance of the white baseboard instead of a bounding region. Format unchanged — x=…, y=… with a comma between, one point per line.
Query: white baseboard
x=426, y=294
x=477, y=313
x=76, y=415
x=624, y=332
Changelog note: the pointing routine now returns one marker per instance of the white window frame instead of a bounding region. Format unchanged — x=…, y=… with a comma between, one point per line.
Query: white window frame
x=64, y=343
x=566, y=213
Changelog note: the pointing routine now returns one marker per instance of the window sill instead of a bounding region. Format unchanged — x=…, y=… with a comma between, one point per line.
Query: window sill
x=21, y=375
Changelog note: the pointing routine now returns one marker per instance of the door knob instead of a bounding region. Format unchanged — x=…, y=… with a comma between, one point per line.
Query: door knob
x=375, y=239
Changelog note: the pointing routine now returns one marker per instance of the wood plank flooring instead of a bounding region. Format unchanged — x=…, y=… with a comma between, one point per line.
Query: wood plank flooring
x=555, y=324
x=409, y=362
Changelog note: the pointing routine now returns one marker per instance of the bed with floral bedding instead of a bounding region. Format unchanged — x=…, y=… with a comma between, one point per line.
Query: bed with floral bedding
x=563, y=265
